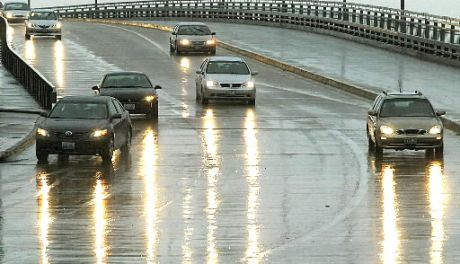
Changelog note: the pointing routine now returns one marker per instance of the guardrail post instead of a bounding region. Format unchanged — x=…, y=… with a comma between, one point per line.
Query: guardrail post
x=389, y=21
x=382, y=20
x=452, y=34
x=419, y=28
x=435, y=30
x=443, y=32
x=427, y=29
x=353, y=16
x=361, y=16
x=411, y=27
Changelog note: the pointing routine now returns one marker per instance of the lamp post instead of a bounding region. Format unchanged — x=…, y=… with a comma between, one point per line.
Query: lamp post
x=95, y=3
x=402, y=4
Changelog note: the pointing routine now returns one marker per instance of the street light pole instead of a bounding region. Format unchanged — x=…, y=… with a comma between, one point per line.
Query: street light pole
x=95, y=3
x=402, y=4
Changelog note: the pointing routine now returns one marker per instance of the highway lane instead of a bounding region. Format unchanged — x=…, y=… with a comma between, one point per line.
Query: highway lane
x=288, y=180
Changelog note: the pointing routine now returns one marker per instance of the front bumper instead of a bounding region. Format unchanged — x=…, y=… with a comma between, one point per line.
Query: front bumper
x=238, y=93
x=196, y=48
x=140, y=107
x=413, y=142
x=87, y=146
x=16, y=19
x=43, y=32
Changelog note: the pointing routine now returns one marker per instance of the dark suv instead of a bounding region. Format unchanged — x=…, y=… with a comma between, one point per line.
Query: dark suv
x=404, y=121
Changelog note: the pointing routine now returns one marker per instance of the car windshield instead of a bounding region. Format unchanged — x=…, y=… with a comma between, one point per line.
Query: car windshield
x=227, y=67
x=126, y=81
x=407, y=108
x=79, y=110
x=193, y=30
x=16, y=6
x=43, y=16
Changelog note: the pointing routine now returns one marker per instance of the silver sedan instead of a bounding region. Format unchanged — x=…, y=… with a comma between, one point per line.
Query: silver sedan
x=225, y=78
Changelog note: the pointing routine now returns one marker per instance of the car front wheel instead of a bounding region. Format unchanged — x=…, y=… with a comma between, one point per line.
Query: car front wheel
x=42, y=156
x=107, y=153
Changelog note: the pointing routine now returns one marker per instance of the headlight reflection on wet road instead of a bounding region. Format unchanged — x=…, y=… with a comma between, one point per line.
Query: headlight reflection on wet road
x=59, y=63
x=252, y=162
x=44, y=216
x=212, y=172
x=149, y=160
x=30, y=51
x=100, y=220
x=437, y=205
x=391, y=236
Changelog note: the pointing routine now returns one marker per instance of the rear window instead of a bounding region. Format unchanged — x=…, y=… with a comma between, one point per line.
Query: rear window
x=77, y=110
x=227, y=67
x=126, y=81
x=406, y=107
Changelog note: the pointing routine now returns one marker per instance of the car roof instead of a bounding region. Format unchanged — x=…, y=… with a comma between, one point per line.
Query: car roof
x=191, y=24
x=225, y=58
x=411, y=95
x=125, y=72
x=86, y=99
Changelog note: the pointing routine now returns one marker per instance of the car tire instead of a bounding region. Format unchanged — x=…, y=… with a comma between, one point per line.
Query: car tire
x=41, y=155
x=370, y=143
x=378, y=150
x=439, y=151
x=213, y=52
x=153, y=114
x=127, y=145
x=203, y=99
x=252, y=101
x=27, y=36
x=171, y=49
x=107, y=153
x=59, y=37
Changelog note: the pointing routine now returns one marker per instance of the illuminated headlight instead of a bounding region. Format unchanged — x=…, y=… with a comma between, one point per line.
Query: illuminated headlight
x=42, y=132
x=435, y=130
x=30, y=25
x=149, y=98
x=58, y=25
x=100, y=133
x=9, y=15
x=212, y=83
x=210, y=42
x=386, y=130
x=185, y=42
x=250, y=84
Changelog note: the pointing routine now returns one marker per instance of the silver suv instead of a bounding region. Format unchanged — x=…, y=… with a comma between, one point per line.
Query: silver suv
x=404, y=121
x=192, y=37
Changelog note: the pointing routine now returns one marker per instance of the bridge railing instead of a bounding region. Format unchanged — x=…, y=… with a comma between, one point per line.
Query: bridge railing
x=427, y=34
x=38, y=86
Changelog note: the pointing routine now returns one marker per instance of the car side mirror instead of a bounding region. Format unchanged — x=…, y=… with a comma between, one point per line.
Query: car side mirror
x=44, y=113
x=440, y=113
x=157, y=87
x=372, y=113
x=254, y=73
x=115, y=116
x=95, y=88
x=173, y=33
x=213, y=33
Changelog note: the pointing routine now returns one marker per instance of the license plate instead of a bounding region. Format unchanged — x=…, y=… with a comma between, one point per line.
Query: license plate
x=410, y=141
x=68, y=145
x=130, y=106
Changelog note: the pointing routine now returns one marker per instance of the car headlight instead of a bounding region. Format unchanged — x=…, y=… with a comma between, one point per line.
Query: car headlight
x=149, y=98
x=435, y=130
x=58, y=25
x=250, y=84
x=100, y=133
x=42, y=132
x=30, y=25
x=185, y=42
x=210, y=42
x=9, y=15
x=386, y=130
x=212, y=83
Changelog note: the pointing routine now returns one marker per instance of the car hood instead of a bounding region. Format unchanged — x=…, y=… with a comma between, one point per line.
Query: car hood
x=229, y=78
x=410, y=122
x=17, y=12
x=128, y=93
x=195, y=37
x=44, y=22
x=74, y=125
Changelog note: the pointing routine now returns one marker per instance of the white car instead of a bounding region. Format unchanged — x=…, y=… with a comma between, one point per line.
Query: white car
x=43, y=23
x=192, y=37
x=225, y=78
x=16, y=12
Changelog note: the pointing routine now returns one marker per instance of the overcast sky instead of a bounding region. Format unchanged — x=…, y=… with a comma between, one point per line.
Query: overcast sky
x=439, y=7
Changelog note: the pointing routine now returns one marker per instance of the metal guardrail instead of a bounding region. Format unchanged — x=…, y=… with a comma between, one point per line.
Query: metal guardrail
x=38, y=86
x=431, y=35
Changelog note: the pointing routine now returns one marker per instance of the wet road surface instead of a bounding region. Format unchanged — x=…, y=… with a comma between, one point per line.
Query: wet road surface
x=287, y=181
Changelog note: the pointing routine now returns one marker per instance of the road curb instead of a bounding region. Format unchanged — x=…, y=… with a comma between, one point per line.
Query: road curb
x=338, y=84
x=18, y=147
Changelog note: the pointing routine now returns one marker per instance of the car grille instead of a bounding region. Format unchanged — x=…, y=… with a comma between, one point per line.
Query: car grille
x=74, y=136
x=43, y=26
x=198, y=43
x=230, y=85
x=411, y=131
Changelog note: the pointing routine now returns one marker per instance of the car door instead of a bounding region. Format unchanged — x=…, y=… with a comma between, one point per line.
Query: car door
x=117, y=124
x=200, y=76
x=173, y=37
x=372, y=120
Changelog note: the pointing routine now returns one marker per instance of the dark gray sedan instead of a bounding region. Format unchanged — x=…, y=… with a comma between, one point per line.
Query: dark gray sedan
x=84, y=125
x=134, y=90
